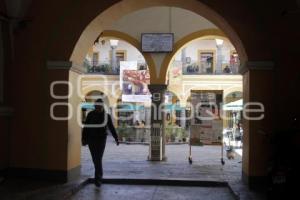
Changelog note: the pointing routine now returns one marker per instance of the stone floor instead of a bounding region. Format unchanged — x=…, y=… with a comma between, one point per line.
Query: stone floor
x=131, y=192
x=130, y=161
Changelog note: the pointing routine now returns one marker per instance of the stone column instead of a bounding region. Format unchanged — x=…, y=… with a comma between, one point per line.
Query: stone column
x=64, y=153
x=157, y=138
x=1, y=65
x=183, y=59
x=183, y=117
x=147, y=116
x=257, y=87
x=219, y=59
x=114, y=63
x=183, y=55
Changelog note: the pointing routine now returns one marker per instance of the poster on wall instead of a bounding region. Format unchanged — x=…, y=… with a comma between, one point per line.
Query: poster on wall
x=126, y=65
x=175, y=73
x=207, y=125
x=135, y=86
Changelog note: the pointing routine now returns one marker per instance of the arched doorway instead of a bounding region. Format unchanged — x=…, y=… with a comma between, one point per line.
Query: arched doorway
x=125, y=7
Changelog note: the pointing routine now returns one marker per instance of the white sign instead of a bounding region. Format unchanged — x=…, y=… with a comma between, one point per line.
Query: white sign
x=157, y=42
x=136, y=98
x=126, y=65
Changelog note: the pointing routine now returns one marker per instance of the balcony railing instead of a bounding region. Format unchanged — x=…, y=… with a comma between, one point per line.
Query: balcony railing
x=101, y=68
x=132, y=134
x=197, y=68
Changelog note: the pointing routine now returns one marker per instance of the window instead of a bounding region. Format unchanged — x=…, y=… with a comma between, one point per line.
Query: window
x=95, y=59
x=121, y=55
x=207, y=61
x=234, y=61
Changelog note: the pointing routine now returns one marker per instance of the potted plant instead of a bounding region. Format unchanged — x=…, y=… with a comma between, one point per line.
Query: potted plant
x=184, y=135
x=122, y=132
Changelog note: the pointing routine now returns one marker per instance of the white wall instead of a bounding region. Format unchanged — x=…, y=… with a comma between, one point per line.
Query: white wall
x=193, y=47
x=161, y=19
x=104, y=51
x=157, y=19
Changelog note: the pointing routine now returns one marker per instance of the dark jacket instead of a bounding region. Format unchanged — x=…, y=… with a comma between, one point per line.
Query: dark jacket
x=96, y=125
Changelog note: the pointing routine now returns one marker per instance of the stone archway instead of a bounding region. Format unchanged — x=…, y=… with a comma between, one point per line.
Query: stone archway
x=183, y=41
x=115, y=12
x=68, y=39
x=127, y=38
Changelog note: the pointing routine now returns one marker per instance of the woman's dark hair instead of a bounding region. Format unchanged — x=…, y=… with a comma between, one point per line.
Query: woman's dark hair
x=99, y=101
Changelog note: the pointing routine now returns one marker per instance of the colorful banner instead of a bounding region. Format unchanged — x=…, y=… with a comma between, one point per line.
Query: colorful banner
x=207, y=126
x=135, y=86
x=126, y=65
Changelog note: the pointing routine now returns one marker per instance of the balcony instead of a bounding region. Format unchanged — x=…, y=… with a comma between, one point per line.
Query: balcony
x=200, y=69
x=204, y=68
x=100, y=68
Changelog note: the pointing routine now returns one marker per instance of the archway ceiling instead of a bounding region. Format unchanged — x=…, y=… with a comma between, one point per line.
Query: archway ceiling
x=179, y=21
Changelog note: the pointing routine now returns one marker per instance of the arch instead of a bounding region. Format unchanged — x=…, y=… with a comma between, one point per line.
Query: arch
x=179, y=96
x=182, y=42
x=106, y=92
x=118, y=10
x=123, y=36
x=76, y=49
x=231, y=90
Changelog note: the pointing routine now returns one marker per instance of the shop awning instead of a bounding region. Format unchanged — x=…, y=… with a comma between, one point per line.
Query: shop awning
x=130, y=107
x=122, y=107
x=88, y=106
x=234, y=106
x=172, y=107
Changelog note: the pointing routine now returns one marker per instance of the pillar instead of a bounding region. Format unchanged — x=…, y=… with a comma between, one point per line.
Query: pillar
x=257, y=87
x=157, y=135
x=114, y=63
x=6, y=112
x=147, y=116
x=63, y=154
x=183, y=117
x=1, y=64
x=183, y=56
x=219, y=59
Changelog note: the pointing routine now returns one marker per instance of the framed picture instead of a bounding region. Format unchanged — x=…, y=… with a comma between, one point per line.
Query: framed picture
x=207, y=61
x=157, y=42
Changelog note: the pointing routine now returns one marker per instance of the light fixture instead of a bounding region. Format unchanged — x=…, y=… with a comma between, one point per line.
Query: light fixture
x=114, y=43
x=219, y=42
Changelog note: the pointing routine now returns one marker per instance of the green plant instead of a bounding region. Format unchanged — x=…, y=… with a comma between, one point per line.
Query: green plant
x=172, y=132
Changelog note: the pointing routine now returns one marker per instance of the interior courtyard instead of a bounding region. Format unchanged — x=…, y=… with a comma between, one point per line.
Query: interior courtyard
x=197, y=92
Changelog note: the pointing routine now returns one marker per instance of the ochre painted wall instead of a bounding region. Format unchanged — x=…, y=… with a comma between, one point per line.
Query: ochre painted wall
x=40, y=143
x=4, y=143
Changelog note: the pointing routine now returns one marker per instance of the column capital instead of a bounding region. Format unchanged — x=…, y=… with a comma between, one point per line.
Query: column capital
x=65, y=65
x=256, y=65
x=157, y=88
x=59, y=64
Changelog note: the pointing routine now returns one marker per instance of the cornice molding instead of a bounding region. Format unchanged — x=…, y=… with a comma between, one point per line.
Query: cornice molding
x=256, y=65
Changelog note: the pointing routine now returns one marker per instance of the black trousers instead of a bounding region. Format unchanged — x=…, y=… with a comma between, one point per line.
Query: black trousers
x=97, y=147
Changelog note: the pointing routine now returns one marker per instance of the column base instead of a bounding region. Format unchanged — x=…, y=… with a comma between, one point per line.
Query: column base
x=158, y=160
x=258, y=183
